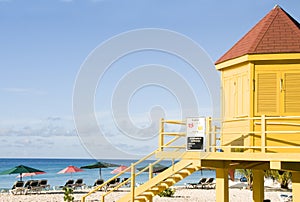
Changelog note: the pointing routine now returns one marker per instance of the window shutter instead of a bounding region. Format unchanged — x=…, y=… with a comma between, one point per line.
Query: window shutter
x=267, y=95
x=291, y=92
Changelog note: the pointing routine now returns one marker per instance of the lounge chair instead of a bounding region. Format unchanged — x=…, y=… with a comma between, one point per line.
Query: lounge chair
x=69, y=183
x=27, y=184
x=209, y=183
x=78, y=183
x=34, y=187
x=98, y=182
x=44, y=184
x=113, y=183
x=125, y=179
x=196, y=185
x=18, y=188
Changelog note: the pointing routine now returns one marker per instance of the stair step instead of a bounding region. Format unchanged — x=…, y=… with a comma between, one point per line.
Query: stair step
x=179, y=176
x=149, y=193
x=141, y=198
x=162, y=181
x=162, y=186
x=157, y=189
x=187, y=171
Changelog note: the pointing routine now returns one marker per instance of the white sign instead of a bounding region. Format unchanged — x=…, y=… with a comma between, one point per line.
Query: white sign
x=195, y=134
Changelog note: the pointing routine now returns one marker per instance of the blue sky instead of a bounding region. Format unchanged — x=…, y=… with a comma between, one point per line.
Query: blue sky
x=44, y=43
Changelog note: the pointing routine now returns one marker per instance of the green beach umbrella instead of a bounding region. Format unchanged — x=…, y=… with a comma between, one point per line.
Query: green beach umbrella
x=19, y=170
x=157, y=168
x=99, y=165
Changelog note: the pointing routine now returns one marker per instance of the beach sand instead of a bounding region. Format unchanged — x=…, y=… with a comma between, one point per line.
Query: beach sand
x=182, y=194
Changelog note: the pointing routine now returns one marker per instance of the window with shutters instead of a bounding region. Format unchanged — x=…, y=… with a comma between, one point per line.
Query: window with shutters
x=291, y=92
x=277, y=92
x=266, y=93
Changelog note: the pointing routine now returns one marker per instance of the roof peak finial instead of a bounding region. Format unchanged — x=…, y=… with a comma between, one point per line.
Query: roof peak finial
x=276, y=6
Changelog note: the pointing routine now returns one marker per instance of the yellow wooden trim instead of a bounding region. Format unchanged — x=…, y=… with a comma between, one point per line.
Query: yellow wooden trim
x=174, y=133
x=291, y=157
x=276, y=165
x=232, y=62
x=258, y=57
x=274, y=56
x=132, y=187
x=161, y=137
x=263, y=134
x=174, y=122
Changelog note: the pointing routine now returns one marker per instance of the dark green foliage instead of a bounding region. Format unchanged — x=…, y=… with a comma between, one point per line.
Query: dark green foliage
x=68, y=194
x=167, y=193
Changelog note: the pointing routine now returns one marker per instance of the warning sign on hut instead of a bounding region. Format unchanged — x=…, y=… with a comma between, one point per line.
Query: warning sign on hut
x=195, y=134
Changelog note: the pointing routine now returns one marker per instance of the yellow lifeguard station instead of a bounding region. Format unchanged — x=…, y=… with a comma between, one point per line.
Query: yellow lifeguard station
x=260, y=124
x=261, y=77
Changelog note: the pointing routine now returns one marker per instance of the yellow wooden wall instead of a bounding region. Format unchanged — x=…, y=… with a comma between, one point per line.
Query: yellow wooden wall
x=252, y=88
x=236, y=91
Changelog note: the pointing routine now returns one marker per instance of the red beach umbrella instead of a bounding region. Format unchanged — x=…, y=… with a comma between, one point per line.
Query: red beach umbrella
x=30, y=174
x=70, y=169
x=119, y=169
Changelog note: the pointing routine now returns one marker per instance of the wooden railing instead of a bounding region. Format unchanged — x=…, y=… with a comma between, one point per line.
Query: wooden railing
x=134, y=174
x=176, y=141
x=214, y=134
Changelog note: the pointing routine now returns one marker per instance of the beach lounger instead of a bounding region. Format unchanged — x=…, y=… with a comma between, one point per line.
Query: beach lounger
x=69, y=183
x=98, y=182
x=34, y=187
x=113, y=183
x=209, y=184
x=27, y=184
x=18, y=188
x=78, y=183
x=44, y=184
x=125, y=179
x=196, y=185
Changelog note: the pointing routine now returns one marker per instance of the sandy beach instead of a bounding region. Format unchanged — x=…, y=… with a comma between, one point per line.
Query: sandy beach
x=237, y=193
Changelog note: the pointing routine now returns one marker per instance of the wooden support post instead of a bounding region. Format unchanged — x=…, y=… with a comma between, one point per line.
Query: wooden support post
x=150, y=171
x=214, y=138
x=263, y=133
x=161, y=135
x=207, y=133
x=258, y=185
x=296, y=185
x=222, y=191
x=150, y=198
x=132, y=188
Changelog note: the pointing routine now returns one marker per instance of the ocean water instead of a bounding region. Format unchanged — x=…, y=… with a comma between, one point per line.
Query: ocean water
x=52, y=166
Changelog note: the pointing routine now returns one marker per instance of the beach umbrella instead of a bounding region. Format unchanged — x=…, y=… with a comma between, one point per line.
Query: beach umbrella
x=30, y=174
x=157, y=168
x=20, y=170
x=99, y=165
x=70, y=169
x=120, y=169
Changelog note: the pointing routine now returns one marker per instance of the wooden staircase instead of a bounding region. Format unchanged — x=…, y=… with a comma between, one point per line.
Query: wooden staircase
x=162, y=181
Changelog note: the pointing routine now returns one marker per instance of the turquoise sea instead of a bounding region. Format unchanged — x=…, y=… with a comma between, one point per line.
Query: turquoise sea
x=52, y=166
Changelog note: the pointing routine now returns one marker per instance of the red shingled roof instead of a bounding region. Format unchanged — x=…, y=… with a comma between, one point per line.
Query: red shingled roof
x=277, y=32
